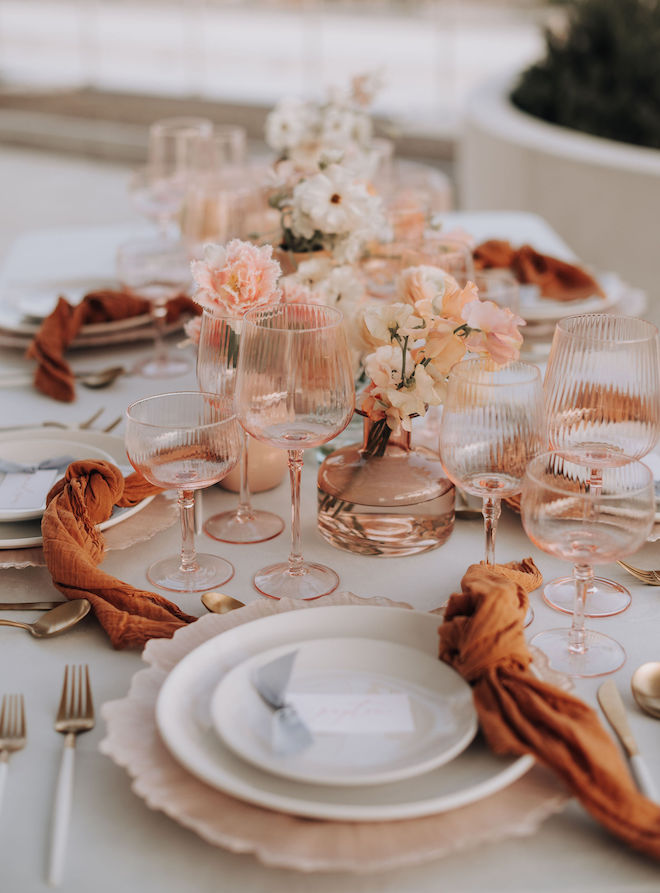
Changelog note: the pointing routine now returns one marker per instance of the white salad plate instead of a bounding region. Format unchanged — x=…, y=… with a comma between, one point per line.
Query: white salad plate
x=535, y=308
x=34, y=450
x=377, y=712
x=25, y=534
x=183, y=717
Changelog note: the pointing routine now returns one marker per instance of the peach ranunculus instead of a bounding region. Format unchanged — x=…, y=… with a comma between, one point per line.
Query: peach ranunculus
x=494, y=330
x=235, y=277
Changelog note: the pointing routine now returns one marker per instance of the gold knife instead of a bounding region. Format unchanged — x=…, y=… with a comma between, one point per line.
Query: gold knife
x=615, y=711
x=29, y=606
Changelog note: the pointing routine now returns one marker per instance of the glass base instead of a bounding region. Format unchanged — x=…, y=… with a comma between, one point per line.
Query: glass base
x=276, y=581
x=209, y=571
x=229, y=527
x=169, y=367
x=604, y=597
x=603, y=655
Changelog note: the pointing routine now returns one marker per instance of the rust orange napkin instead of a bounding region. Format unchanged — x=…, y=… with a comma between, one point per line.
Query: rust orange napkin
x=73, y=548
x=53, y=376
x=555, y=278
x=482, y=638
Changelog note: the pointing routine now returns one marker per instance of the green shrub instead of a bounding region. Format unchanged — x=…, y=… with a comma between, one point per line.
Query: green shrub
x=602, y=74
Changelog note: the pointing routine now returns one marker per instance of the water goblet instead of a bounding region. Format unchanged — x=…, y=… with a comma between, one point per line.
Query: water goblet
x=156, y=270
x=565, y=514
x=294, y=390
x=602, y=391
x=187, y=440
x=492, y=425
x=217, y=359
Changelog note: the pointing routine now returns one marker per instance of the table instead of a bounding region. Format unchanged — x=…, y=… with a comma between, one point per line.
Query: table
x=117, y=843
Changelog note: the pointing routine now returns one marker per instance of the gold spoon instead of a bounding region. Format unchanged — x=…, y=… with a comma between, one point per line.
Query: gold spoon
x=219, y=603
x=645, y=685
x=100, y=378
x=55, y=621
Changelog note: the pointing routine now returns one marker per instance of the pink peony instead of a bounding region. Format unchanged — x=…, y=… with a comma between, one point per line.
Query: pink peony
x=495, y=330
x=236, y=277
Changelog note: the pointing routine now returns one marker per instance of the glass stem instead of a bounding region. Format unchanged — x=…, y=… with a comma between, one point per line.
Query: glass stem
x=584, y=575
x=244, y=511
x=295, y=472
x=491, y=511
x=159, y=315
x=187, y=518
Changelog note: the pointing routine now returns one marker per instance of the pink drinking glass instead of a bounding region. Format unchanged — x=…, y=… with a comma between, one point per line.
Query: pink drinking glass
x=294, y=390
x=184, y=441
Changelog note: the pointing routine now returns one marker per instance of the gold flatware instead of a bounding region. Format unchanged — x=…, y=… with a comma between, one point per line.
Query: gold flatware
x=645, y=686
x=55, y=621
x=74, y=716
x=112, y=424
x=29, y=606
x=13, y=733
x=220, y=603
x=615, y=712
x=93, y=378
x=90, y=421
x=650, y=577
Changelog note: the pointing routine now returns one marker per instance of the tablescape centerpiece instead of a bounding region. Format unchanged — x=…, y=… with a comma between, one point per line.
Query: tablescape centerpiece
x=386, y=496
x=294, y=390
x=231, y=279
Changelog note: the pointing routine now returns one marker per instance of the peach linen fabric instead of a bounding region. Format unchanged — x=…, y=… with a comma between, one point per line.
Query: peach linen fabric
x=53, y=375
x=482, y=638
x=556, y=279
x=73, y=547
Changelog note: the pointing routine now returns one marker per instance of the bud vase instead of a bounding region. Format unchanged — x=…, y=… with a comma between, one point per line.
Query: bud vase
x=384, y=496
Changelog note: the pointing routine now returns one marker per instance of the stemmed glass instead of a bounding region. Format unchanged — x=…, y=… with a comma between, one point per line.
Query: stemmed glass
x=187, y=440
x=492, y=425
x=294, y=390
x=567, y=515
x=602, y=391
x=217, y=358
x=156, y=270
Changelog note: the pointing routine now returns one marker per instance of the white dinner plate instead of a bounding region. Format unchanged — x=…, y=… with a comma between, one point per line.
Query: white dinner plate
x=34, y=450
x=184, y=720
x=12, y=320
x=534, y=308
x=378, y=712
x=25, y=534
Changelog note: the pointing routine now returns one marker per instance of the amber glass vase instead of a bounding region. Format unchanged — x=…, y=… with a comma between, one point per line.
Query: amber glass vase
x=384, y=496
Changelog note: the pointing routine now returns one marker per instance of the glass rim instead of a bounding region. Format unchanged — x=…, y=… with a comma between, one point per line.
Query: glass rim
x=563, y=326
x=252, y=316
x=549, y=454
x=175, y=427
x=462, y=371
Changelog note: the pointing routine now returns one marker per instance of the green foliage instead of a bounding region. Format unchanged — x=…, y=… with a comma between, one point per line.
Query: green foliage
x=602, y=74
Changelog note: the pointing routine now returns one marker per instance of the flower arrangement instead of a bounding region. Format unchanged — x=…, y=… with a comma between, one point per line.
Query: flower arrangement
x=320, y=281
x=306, y=132
x=416, y=341
x=331, y=211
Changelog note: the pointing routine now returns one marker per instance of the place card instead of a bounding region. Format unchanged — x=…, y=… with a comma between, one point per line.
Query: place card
x=350, y=714
x=25, y=492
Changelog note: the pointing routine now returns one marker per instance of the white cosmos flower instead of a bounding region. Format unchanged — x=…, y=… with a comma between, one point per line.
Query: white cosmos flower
x=291, y=122
x=331, y=202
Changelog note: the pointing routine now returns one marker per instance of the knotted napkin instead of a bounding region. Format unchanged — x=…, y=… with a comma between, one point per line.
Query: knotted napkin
x=73, y=547
x=555, y=278
x=53, y=375
x=482, y=638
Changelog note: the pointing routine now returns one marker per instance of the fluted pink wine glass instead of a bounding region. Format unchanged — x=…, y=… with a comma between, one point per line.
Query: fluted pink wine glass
x=217, y=359
x=184, y=441
x=566, y=514
x=492, y=425
x=294, y=390
x=602, y=392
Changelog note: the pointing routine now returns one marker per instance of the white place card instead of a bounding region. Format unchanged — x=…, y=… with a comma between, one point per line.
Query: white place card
x=354, y=714
x=26, y=491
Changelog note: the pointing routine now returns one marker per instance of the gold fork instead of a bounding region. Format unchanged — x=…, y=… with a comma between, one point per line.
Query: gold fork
x=74, y=716
x=650, y=577
x=12, y=732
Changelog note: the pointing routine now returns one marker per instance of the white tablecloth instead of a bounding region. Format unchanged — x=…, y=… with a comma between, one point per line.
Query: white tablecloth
x=116, y=843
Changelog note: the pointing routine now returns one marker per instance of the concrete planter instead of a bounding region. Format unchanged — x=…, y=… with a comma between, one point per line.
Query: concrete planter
x=602, y=197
